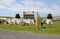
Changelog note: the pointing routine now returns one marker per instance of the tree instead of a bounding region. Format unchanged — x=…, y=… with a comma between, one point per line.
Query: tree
x=17, y=16
x=49, y=16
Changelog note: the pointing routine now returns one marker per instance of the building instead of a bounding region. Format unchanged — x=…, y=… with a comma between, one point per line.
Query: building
x=28, y=15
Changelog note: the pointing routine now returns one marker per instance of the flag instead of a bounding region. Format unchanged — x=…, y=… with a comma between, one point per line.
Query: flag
x=37, y=20
x=40, y=21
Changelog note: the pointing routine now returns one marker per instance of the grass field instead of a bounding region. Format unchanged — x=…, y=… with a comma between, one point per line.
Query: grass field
x=54, y=29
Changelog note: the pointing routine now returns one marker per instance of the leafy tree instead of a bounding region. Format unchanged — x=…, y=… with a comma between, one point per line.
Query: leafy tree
x=17, y=16
x=49, y=16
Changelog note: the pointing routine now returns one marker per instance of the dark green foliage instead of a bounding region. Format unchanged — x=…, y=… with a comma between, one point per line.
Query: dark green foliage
x=17, y=16
x=49, y=16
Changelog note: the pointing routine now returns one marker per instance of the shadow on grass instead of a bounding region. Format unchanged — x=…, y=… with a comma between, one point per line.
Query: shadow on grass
x=43, y=27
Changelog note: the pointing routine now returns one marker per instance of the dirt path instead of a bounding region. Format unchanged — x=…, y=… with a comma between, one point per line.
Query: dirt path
x=11, y=34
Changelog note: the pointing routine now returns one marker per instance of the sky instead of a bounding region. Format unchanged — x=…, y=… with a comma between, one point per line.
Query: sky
x=43, y=7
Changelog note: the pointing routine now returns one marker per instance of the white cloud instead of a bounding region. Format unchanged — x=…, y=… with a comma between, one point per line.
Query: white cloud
x=39, y=6
x=28, y=5
x=46, y=10
x=2, y=7
x=7, y=2
x=33, y=5
x=16, y=8
x=56, y=8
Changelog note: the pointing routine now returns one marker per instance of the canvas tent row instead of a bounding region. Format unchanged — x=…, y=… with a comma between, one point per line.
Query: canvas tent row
x=17, y=21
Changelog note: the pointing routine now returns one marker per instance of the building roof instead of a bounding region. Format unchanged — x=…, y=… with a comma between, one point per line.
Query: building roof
x=28, y=13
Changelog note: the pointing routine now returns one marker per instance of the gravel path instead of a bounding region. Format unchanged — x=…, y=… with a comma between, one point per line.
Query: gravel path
x=11, y=34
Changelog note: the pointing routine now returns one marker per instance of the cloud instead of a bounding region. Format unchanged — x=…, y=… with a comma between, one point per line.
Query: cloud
x=55, y=8
x=46, y=10
x=31, y=5
x=26, y=6
x=23, y=5
x=2, y=7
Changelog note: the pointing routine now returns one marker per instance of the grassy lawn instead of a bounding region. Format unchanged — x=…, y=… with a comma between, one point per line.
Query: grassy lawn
x=54, y=29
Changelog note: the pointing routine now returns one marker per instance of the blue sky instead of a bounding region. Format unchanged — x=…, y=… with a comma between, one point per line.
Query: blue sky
x=43, y=7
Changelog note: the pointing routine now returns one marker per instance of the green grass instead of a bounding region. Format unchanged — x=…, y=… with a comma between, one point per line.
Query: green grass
x=54, y=29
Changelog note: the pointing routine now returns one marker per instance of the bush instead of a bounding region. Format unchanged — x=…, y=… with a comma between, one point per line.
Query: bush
x=17, y=16
x=49, y=16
